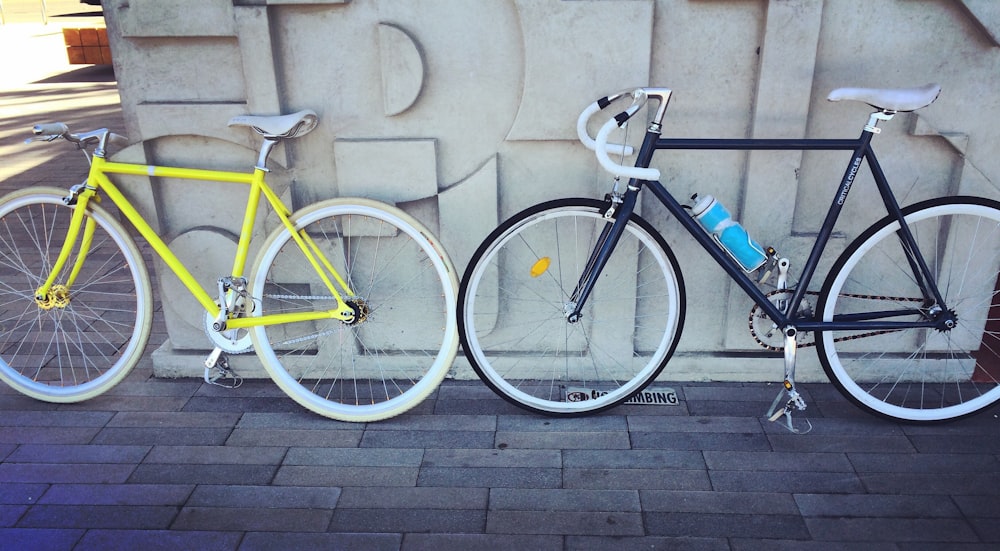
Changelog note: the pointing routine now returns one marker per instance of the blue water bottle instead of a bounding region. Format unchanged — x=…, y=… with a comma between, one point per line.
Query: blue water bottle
x=729, y=233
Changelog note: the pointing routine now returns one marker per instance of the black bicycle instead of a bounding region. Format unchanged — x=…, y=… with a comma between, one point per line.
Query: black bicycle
x=573, y=306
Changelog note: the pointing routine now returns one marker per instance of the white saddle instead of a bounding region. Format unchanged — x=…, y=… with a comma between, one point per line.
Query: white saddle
x=279, y=126
x=890, y=99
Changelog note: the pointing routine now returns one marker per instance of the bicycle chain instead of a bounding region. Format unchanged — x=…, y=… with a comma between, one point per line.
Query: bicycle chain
x=770, y=348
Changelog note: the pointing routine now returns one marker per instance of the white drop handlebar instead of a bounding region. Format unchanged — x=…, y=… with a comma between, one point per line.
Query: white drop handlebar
x=581, y=129
x=600, y=144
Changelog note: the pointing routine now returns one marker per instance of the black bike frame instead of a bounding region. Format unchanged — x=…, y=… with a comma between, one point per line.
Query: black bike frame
x=862, y=152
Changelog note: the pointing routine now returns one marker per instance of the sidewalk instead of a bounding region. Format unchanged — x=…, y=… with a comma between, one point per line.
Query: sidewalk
x=177, y=464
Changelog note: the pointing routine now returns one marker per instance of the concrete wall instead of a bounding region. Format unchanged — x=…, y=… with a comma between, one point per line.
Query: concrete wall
x=463, y=112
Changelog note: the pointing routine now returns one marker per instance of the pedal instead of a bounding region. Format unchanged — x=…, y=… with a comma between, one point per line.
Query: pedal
x=218, y=372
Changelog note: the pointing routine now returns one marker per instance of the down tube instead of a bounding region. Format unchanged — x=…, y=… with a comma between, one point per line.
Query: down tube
x=703, y=238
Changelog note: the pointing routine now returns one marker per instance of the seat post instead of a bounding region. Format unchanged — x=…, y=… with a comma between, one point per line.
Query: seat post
x=873, y=120
x=265, y=151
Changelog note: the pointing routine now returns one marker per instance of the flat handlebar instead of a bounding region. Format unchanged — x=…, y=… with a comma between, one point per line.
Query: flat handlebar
x=55, y=130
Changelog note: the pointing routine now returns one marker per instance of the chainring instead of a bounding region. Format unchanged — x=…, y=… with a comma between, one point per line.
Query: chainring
x=766, y=333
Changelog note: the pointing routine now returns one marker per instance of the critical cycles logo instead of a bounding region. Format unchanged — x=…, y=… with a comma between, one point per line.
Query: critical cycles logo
x=849, y=180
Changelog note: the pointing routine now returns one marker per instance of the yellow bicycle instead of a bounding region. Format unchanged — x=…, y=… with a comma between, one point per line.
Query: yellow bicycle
x=350, y=304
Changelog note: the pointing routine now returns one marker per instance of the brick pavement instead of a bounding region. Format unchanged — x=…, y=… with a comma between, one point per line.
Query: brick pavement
x=177, y=464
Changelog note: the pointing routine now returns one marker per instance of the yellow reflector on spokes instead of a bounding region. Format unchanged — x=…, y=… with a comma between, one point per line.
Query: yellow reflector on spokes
x=539, y=267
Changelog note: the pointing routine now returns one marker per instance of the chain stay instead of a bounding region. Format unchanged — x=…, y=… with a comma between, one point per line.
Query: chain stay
x=770, y=348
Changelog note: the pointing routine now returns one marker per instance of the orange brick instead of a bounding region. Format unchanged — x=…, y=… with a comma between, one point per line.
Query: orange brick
x=105, y=55
x=76, y=55
x=72, y=37
x=92, y=54
x=89, y=37
x=102, y=36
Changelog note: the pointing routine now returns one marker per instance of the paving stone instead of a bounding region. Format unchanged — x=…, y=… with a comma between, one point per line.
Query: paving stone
x=633, y=459
x=891, y=529
x=298, y=475
x=19, y=493
x=925, y=463
x=493, y=542
x=164, y=436
x=700, y=441
x=410, y=422
x=559, y=499
x=65, y=472
x=777, y=461
x=645, y=543
x=563, y=440
x=372, y=497
x=47, y=453
x=173, y=419
x=774, y=544
x=489, y=477
x=202, y=474
x=798, y=482
x=984, y=506
x=158, y=540
x=427, y=439
x=294, y=420
x=935, y=483
x=269, y=541
x=754, y=503
x=818, y=443
x=354, y=457
x=117, y=494
x=687, y=425
x=954, y=443
x=205, y=404
x=262, y=496
x=875, y=505
x=48, y=435
x=565, y=522
x=137, y=517
x=408, y=520
x=10, y=514
x=242, y=519
x=243, y=437
x=535, y=423
x=725, y=525
x=639, y=479
x=40, y=539
x=496, y=458
x=108, y=402
x=56, y=418
x=215, y=455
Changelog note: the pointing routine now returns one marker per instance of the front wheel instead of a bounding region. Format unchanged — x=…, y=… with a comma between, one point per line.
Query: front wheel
x=402, y=342
x=919, y=374
x=516, y=294
x=91, y=332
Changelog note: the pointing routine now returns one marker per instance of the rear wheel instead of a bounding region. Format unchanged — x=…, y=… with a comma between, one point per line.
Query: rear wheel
x=403, y=339
x=919, y=374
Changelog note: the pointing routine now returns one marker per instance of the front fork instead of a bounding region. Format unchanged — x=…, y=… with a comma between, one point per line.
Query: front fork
x=57, y=295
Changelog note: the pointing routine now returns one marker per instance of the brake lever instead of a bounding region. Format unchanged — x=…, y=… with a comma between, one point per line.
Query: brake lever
x=49, y=138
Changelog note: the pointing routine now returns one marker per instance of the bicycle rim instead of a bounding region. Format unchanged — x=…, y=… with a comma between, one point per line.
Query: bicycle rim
x=922, y=375
x=81, y=345
x=515, y=299
x=385, y=363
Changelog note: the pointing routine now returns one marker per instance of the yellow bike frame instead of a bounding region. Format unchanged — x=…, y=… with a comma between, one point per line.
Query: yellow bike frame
x=98, y=180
